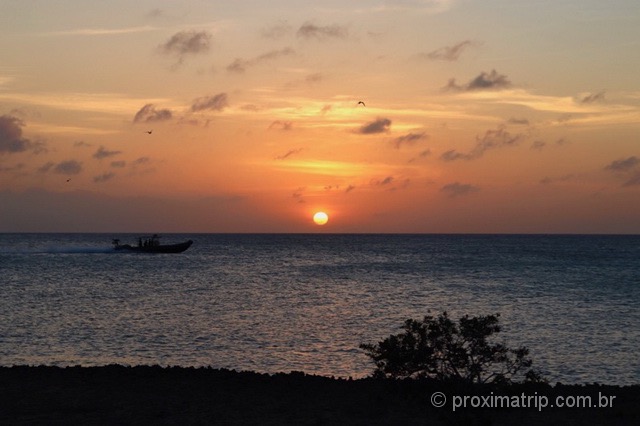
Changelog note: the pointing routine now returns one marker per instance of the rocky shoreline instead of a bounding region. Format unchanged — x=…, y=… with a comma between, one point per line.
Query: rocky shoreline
x=174, y=395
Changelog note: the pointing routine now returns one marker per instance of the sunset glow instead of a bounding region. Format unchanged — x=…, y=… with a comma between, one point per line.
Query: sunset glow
x=419, y=116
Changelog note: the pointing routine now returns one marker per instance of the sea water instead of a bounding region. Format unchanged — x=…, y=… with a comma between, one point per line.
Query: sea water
x=286, y=302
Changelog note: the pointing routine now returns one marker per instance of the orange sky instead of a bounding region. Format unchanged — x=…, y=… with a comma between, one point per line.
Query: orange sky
x=480, y=116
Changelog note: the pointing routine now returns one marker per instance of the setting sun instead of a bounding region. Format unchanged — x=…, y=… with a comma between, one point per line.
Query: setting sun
x=320, y=218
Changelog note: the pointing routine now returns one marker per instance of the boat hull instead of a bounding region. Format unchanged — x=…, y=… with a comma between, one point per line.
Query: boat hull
x=170, y=248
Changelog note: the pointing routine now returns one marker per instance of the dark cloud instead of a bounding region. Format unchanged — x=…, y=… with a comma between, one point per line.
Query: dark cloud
x=282, y=125
x=216, y=103
x=349, y=189
x=104, y=153
x=149, y=113
x=118, y=164
x=187, y=43
x=312, y=31
x=69, y=167
x=592, y=97
x=289, y=154
x=240, y=65
x=81, y=144
x=409, y=139
x=449, y=53
x=379, y=125
x=458, y=189
x=104, y=177
x=11, y=140
x=624, y=165
x=493, y=138
x=484, y=81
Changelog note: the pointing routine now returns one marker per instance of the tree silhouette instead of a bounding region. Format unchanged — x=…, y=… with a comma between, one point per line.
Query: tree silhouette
x=439, y=348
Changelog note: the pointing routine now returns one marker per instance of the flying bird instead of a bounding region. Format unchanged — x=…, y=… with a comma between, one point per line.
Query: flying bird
x=69, y=180
x=149, y=131
x=361, y=103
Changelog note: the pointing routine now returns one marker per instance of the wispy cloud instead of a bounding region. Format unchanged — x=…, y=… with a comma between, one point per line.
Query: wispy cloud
x=592, y=97
x=289, y=154
x=457, y=189
x=409, y=139
x=379, y=125
x=282, y=125
x=215, y=103
x=449, y=53
x=312, y=31
x=491, y=139
x=485, y=81
x=102, y=152
x=69, y=167
x=623, y=165
x=186, y=43
x=149, y=113
x=105, y=177
x=277, y=31
x=240, y=65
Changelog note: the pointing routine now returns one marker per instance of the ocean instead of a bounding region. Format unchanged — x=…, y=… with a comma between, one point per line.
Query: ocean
x=305, y=302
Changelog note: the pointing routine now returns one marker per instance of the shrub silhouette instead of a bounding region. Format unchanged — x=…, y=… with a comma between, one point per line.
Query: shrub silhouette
x=439, y=348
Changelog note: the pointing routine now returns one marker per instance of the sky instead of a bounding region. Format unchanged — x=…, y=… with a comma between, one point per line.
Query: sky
x=407, y=116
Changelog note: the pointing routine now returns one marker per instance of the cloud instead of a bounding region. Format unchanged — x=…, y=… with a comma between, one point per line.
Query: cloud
x=484, y=81
x=118, y=164
x=349, y=189
x=384, y=182
x=493, y=138
x=592, y=97
x=149, y=113
x=379, y=125
x=187, y=43
x=518, y=121
x=240, y=65
x=624, y=165
x=547, y=180
x=449, y=53
x=289, y=154
x=635, y=180
x=538, y=145
x=104, y=177
x=11, y=140
x=457, y=189
x=409, y=139
x=142, y=160
x=215, y=103
x=69, y=167
x=103, y=153
x=282, y=125
x=422, y=154
x=277, y=31
x=312, y=31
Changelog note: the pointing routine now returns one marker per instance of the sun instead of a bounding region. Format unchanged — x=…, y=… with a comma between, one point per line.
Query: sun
x=320, y=218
